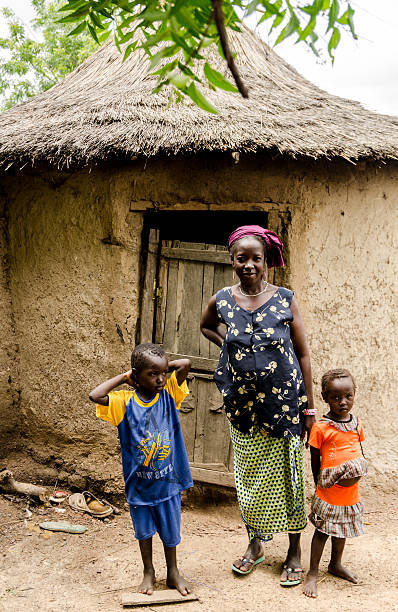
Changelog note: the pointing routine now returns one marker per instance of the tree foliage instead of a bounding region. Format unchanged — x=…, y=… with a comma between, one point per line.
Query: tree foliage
x=173, y=33
x=34, y=62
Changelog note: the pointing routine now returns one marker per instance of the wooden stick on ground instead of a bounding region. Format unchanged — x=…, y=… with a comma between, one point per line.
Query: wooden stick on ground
x=9, y=485
x=157, y=597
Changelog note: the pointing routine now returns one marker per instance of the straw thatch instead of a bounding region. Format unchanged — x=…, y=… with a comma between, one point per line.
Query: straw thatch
x=105, y=109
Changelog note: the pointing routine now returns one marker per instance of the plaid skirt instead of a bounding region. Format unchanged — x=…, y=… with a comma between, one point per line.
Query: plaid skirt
x=269, y=478
x=337, y=521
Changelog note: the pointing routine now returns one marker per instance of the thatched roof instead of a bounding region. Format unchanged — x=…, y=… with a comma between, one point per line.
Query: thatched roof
x=105, y=109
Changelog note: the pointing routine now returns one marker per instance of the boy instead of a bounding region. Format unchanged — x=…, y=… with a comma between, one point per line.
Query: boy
x=155, y=463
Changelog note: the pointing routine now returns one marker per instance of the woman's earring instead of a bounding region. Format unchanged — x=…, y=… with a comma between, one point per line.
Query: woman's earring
x=265, y=275
x=233, y=275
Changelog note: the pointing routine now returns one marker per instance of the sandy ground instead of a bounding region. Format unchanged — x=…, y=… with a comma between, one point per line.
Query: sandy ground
x=62, y=572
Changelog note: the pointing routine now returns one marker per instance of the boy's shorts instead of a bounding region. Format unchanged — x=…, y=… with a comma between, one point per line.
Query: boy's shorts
x=164, y=518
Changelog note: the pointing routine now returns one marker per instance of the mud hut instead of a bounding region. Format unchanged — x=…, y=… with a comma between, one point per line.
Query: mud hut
x=115, y=207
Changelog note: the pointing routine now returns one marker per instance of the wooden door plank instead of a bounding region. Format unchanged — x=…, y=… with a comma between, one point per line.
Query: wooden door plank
x=276, y=222
x=161, y=299
x=191, y=254
x=230, y=457
x=187, y=415
x=198, y=363
x=224, y=479
x=147, y=303
x=200, y=434
x=217, y=438
x=171, y=315
x=207, y=292
x=189, y=332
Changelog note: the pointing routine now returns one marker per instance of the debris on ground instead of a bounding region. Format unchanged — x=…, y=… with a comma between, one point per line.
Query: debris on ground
x=9, y=485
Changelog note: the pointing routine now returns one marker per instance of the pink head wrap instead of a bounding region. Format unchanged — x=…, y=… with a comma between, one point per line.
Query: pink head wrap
x=272, y=241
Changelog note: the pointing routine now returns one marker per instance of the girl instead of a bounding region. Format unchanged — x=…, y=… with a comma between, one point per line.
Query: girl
x=337, y=465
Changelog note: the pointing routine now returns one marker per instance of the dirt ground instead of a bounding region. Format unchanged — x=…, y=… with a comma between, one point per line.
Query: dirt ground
x=62, y=572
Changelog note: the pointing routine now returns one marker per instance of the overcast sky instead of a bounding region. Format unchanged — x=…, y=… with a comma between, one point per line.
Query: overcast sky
x=364, y=70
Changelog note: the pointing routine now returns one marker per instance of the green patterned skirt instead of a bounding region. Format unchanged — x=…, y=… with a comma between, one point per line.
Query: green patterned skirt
x=269, y=478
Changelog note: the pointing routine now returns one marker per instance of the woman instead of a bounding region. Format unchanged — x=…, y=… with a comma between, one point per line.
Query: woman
x=264, y=375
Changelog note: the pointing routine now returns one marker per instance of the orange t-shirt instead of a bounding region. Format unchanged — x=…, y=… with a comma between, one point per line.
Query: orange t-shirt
x=337, y=447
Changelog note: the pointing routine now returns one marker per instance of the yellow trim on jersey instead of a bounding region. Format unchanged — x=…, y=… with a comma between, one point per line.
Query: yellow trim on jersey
x=144, y=404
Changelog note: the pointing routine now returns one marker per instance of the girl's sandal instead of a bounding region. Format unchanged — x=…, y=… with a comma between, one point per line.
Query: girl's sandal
x=245, y=561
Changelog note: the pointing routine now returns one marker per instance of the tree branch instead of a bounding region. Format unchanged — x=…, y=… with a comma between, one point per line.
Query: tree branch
x=222, y=32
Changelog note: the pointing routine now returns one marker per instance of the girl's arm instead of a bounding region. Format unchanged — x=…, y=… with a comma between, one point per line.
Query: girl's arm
x=210, y=324
x=181, y=368
x=315, y=462
x=301, y=349
x=99, y=395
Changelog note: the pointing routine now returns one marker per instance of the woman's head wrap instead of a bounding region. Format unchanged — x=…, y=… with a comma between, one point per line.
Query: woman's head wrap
x=272, y=241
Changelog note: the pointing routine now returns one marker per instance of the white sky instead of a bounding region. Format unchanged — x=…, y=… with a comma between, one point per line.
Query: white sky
x=364, y=70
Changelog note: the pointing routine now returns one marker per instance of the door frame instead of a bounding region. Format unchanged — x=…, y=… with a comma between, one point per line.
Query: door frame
x=278, y=221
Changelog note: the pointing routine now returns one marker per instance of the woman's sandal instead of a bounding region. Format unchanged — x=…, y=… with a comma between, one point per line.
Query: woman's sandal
x=246, y=561
x=291, y=570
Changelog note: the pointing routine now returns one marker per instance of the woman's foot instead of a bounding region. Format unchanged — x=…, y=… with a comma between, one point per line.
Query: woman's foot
x=253, y=553
x=147, y=583
x=292, y=572
x=342, y=572
x=176, y=581
x=309, y=588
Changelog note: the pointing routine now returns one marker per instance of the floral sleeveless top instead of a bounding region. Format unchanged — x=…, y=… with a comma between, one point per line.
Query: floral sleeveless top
x=258, y=372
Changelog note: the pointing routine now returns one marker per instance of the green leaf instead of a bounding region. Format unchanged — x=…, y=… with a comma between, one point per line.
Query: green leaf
x=278, y=20
x=82, y=12
x=333, y=42
x=188, y=72
x=292, y=26
x=165, y=52
x=307, y=30
x=82, y=26
x=129, y=50
x=96, y=21
x=179, y=80
x=333, y=14
x=151, y=16
x=93, y=33
x=199, y=99
x=347, y=19
x=72, y=5
x=217, y=79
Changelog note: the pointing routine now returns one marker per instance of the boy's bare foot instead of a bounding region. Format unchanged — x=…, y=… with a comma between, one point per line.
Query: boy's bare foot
x=342, y=572
x=147, y=583
x=176, y=581
x=309, y=588
x=253, y=552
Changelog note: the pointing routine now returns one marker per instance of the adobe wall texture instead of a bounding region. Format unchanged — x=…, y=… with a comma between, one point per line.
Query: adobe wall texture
x=69, y=290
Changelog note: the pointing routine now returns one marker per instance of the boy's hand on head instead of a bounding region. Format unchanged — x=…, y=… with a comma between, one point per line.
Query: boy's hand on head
x=129, y=377
x=181, y=368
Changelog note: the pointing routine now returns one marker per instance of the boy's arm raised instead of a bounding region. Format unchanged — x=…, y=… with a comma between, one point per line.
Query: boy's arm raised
x=181, y=368
x=99, y=395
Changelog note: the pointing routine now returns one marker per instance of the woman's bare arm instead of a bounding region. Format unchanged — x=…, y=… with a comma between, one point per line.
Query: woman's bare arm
x=210, y=325
x=301, y=349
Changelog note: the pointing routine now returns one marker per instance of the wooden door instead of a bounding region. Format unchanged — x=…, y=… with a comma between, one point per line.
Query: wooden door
x=179, y=281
